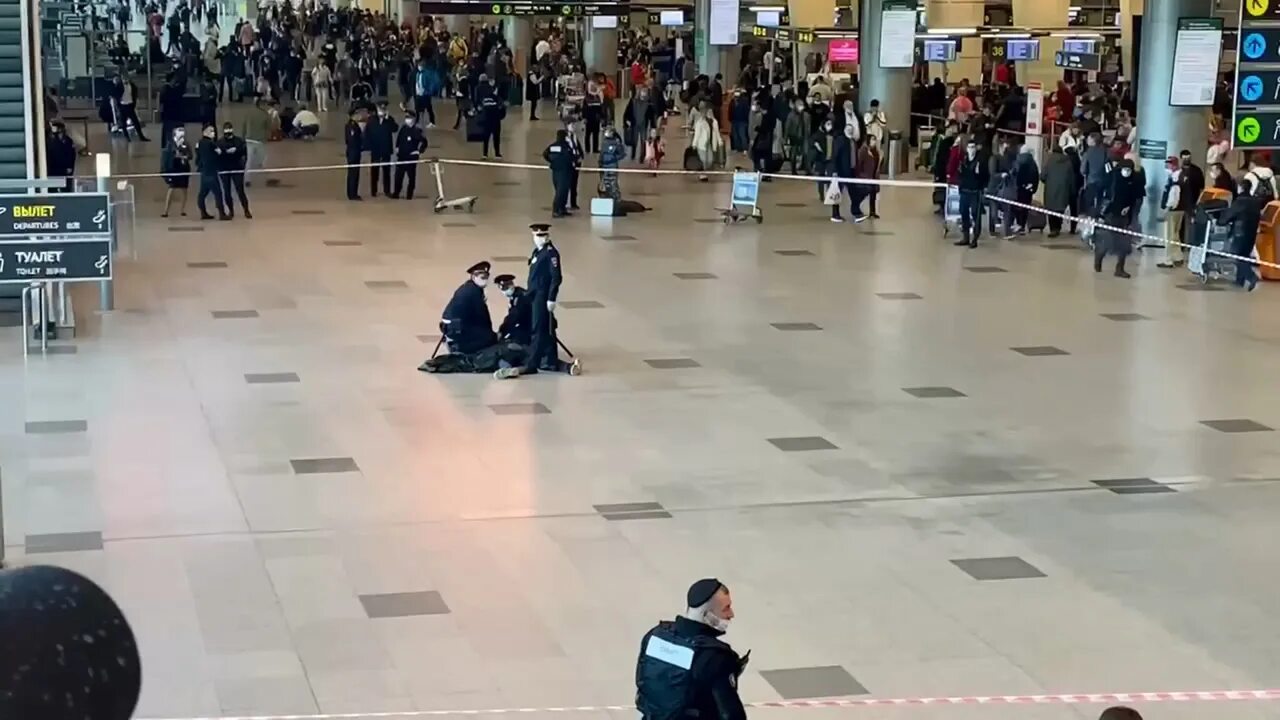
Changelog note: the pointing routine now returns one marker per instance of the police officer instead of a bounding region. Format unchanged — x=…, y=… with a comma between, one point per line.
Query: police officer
x=575, y=145
x=60, y=154
x=560, y=156
x=492, y=110
x=685, y=670
x=410, y=143
x=207, y=162
x=517, y=327
x=231, y=165
x=382, y=137
x=465, y=321
x=354, y=135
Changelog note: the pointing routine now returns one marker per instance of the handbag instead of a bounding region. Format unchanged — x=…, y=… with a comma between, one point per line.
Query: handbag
x=833, y=194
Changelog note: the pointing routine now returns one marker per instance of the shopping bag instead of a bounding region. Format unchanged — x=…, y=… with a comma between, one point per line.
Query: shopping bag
x=833, y=194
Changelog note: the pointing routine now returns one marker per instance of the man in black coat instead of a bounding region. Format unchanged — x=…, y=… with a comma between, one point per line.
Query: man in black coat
x=1127, y=192
x=410, y=144
x=560, y=157
x=1244, y=216
x=208, y=162
x=465, y=321
x=973, y=178
x=231, y=161
x=353, y=134
x=382, y=139
x=60, y=155
x=941, y=155
x=545, y=276
x=492, y=109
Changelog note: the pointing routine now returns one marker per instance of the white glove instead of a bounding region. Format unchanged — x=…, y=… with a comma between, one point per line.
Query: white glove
x=551, y=306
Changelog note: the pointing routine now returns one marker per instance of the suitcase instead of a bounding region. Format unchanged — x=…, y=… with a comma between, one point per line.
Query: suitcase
x=1036, y=219
x=692, y=163
x=475, y=128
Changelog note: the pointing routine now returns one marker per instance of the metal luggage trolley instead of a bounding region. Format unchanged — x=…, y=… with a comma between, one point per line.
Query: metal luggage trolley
x=744, y=202
x=1205, y=260
x=951, y=209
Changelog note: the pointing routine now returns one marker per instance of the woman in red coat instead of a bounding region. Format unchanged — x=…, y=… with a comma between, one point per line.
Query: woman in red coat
x=957, y=155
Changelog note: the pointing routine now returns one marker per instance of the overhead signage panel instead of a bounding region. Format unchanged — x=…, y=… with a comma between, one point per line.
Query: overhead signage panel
x=61, y=260
x=1077, y=61
x=64, y=214
x=1255, y=108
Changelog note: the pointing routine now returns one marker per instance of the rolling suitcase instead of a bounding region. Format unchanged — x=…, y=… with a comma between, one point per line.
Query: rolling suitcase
x=1036, y=219
x=475, y=128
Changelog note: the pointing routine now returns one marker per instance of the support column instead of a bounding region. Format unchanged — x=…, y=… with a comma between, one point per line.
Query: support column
x=408, y=11
x=1041, y=13
x=518, y=32
x=891, y=86
x=1128, y=9
x=706, y=55
x=951, y=14
x=600, y=51
x=1180, y=128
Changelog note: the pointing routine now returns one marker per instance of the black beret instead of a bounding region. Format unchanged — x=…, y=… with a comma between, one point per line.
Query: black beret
x=505, y=279
x=480, y=267
x=701, y=592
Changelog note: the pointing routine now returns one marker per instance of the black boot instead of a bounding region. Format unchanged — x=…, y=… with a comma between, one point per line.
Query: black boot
x=1097, y=262
x=1120, y=273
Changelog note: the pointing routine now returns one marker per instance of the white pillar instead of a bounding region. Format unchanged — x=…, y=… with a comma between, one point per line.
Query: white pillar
x=408, y=11
x=706, y=55
x=458, y=24
x=518, y=33
x=1128, y=9
x=1041, y=13
x=951, y=14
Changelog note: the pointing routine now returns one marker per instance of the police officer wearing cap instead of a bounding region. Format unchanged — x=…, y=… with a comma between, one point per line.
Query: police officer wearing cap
x=516, y=327
x=685, y=670
x=465, y=322
x=545, y=276
x=410, y=143
x=353, y=136
x=381, y=135
x=563, y=160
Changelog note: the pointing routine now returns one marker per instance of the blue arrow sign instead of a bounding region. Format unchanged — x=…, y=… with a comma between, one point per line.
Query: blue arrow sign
x=1255, y=46
x=1251, y=88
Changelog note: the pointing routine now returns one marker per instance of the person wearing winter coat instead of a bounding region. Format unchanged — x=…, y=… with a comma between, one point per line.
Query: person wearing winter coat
x=707, y=142
x=612, y=152
x=1121, y=206
x=1244, y=216
x=1059, y=185
x=795, y=130
x=818, y=149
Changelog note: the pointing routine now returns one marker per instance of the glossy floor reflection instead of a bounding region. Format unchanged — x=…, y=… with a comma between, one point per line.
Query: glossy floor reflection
x=916, y=479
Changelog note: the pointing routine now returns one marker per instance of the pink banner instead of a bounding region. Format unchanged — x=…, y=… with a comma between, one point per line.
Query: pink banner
x=843, y=51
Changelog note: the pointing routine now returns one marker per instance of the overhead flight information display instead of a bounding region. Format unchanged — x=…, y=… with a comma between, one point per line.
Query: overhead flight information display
x=1256, y=102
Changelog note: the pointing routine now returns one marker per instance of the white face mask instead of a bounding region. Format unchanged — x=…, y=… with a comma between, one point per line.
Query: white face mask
x=717, y=622
x=480, y=281
x=509, y=292
x=972, y=151
x=1126, y=172
x=539, y=241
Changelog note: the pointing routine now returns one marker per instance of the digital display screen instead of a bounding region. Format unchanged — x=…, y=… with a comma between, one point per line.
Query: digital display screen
x=940, y=50
x=1022, y=50
x=671, y=17
x=1079, y=46
x=604, y=21
x=769, y=18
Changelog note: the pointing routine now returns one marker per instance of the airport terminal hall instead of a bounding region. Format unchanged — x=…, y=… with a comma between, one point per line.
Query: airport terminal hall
x=639, y=359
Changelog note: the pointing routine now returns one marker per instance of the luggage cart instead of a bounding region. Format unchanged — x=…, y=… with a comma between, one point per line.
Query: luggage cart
x=1205, y=260
x=744, y=202
x=442, y=203
x=951, y=209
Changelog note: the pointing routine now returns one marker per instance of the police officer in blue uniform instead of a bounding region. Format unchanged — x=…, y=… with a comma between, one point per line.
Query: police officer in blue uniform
x=465, y=322
x=544, y=287
x=353, y=135
x=685, y=670
x=563, y=160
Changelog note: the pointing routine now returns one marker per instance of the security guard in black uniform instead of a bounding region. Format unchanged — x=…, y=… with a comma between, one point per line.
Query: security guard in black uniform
x=517, y=327
x=232, y=163
x=685, y=670
x=382, y=138
x=410, y=143
x=563, y=160
x=354, y=134
x=207, y=162
x=465, y=323
x=544, y=287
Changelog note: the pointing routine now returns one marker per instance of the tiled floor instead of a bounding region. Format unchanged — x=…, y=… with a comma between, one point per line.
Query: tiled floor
x=298, y=521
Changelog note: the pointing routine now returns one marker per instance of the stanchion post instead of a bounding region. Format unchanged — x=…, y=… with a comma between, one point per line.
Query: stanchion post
x=106, y=289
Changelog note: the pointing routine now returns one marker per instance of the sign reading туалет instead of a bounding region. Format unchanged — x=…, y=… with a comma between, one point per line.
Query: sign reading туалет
x=55, y=214
x=62, y=260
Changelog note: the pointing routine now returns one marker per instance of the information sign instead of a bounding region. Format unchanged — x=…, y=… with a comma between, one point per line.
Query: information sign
x=1153, y=149
x=61, y=214
x=1022, y=50
x=1195, y=62
x=898, y=34
x=1256, y=102
x=1077, y=61
x=61, y=260
x=940, y=50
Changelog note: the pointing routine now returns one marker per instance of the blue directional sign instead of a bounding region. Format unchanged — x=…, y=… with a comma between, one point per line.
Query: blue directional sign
x=1254, y=46
x=1251, y=88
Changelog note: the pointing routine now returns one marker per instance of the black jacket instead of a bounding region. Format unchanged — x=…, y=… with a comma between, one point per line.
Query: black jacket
x=560, y=156
x=60, y=154
x=973, y=174
x=410, y=142
x=470, y=329
x=1126, y=194
x=233, y=153
x=545, y=273
x=714, y=671
x=1244, y=216
x=1191, y=184
x=381, y=133
x=518, y=324
x=207, y=157
x=354, y=137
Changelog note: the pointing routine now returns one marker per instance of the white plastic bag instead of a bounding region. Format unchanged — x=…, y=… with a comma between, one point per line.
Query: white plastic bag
x=833, y=194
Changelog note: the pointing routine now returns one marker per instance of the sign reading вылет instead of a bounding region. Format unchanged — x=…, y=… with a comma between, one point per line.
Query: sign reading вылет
x=65, y=214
